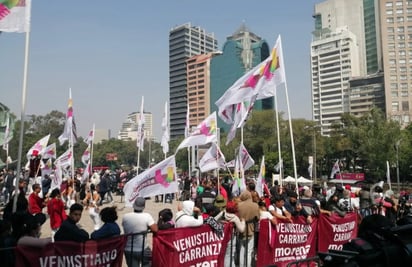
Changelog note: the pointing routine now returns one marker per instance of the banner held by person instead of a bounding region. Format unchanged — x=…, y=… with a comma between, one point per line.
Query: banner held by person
x=105, y=252
x=337, y=231
x=284, y=242
x=190, y=246
x=160, y=179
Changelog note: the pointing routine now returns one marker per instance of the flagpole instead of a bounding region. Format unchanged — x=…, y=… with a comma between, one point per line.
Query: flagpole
x=71, y=138
x=278, y=135
x=23, y=113
x=91, y=151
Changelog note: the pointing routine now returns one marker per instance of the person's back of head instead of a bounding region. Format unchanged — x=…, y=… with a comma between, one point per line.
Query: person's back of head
x=108, y=214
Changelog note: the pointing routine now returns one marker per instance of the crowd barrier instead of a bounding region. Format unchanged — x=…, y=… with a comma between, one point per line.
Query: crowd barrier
x=283, y=244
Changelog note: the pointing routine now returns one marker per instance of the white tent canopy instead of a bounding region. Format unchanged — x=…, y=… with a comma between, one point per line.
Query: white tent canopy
x=289, y=179
x=303, y=180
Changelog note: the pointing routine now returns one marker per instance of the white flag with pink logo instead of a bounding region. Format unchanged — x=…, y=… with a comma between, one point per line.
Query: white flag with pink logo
x=158, y=180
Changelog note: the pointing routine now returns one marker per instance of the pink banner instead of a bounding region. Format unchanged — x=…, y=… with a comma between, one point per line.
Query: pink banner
x=101, y=253
x=336, y=230
x=284, y=242
x=192, y=246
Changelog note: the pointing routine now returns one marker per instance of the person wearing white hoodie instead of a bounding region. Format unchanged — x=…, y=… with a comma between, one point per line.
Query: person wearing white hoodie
x=188, y=215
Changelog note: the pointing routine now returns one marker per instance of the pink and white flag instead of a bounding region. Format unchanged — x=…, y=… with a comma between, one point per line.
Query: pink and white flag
x=335, y=169
x=39, y=147
x=261, y=82
x=90, y=137
x=86, y=156
x=15, y=16
x=205, y=132
x=65, y=160
x=213, y=159
x=247, y=160
x=50, y=151
x=158, y=180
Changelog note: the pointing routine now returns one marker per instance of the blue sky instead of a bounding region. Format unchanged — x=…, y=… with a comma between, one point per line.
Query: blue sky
x=112, y=52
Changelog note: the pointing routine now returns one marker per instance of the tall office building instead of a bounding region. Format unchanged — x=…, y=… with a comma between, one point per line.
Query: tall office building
x=129, y=128
x=198, y=88
x=337, y=54
x=185, y=41
x=396, y=36
x=241, y=52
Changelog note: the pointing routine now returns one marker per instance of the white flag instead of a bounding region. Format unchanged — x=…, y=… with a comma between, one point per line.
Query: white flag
x=160, y=179
x=239, y=184
x=212, y=159
x=86, y=156
x=204, y=133
x=261, y=81
x=335, y=169
x=8, y=135
x=47, y=168
x=140, y=128
x=261, y=178
x=39, y=147
x=388, y=175
x=86, y=173
x=69, y=131
x=187, y=127
x=90, y=137
x=15, y=16
x=278, y=166
x=65, y=159
x=247, y=160
x=50, y=151
x=165, y=128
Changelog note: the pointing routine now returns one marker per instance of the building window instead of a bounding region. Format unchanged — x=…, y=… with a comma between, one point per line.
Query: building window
x=395, y=106
x=406, y=118
x=394, y=86
x=402, y=53
x=388, y=4
x=399, y=3
x=389, y=12
x=404, y=94
x=389, y=20
x=399, y=11
x=391, y=30
x=405, y=105
x=401, y=29
x=399, y=19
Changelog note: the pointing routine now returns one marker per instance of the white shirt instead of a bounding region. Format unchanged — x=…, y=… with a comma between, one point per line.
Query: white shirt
x=136, y=222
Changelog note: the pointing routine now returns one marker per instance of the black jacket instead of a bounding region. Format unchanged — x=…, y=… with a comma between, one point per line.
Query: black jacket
x=69, y=231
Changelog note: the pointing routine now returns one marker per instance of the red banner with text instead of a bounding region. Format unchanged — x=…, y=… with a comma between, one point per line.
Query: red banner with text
x=192, y=246
x=101, y=253
x=285, y=242
x=337, y=231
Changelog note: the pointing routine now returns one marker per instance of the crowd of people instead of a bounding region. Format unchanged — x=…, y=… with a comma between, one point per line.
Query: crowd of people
x=208, y=201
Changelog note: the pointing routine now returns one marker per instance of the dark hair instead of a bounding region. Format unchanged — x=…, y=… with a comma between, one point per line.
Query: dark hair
x=108, y=214
x=55, y=192
x=34, y=186
x=76, y=206
x=251, y=186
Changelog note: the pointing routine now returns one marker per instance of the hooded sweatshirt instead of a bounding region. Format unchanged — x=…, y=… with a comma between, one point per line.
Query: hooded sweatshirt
x=185, y=217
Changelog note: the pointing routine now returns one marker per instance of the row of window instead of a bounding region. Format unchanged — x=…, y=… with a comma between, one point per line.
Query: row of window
x=398, y=11
x=398, y=19
x=405, y=106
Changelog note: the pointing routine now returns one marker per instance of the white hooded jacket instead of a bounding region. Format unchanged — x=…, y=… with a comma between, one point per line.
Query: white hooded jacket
x=185, y=218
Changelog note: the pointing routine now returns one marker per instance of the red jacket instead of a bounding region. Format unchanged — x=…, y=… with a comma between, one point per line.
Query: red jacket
x=55, y=209
x=35, y=204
